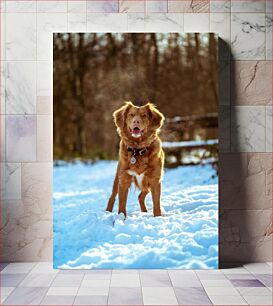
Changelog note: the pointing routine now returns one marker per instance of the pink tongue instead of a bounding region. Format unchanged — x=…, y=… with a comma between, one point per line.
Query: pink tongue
x=136, y=131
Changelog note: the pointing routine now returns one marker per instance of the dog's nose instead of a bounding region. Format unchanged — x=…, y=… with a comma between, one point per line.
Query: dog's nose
x=136, y=120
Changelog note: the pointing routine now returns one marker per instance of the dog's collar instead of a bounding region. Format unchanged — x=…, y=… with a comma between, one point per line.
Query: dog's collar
x=136, y=151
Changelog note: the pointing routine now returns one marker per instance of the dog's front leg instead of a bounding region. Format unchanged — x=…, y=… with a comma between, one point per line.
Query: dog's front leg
x=156, y=192
x=112, y=198
x=124, y=185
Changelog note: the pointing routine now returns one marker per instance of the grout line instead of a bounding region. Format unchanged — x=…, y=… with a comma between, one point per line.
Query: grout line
x=107, y=300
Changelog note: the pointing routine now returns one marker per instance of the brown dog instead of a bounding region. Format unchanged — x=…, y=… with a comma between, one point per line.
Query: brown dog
x=141, y=157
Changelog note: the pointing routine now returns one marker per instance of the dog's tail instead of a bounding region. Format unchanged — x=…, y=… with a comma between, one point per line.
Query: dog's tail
x=111, y=200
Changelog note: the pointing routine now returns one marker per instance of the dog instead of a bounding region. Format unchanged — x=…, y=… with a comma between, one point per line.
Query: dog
x=141, y=157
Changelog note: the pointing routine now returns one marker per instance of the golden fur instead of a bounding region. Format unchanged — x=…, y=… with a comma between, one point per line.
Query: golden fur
x=147, y=172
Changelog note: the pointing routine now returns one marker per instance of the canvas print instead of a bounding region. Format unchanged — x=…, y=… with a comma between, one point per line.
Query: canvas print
x=135, y=150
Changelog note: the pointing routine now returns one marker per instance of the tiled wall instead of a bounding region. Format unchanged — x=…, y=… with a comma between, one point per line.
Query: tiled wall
x=245, y=111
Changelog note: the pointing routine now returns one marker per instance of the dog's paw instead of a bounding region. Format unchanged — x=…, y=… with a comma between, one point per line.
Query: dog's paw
x=163, y=212
x=121, y=217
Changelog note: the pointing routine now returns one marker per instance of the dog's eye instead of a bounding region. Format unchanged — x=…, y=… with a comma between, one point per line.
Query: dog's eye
x=144, y=116
x=131, y=115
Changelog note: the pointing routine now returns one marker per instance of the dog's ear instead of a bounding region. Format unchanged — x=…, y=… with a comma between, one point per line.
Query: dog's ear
x=157, y=117
x=120, y=114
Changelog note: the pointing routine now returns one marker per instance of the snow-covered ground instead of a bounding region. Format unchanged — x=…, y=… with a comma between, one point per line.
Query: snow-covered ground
x=85, y=236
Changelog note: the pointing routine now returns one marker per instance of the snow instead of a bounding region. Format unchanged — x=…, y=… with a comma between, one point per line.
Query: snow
x=87, y=237
x=191, y=143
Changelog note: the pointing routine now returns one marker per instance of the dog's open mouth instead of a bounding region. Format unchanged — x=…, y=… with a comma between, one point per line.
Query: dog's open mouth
x=136, y=132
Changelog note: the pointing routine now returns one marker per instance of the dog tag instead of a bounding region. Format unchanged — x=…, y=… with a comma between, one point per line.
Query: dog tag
x=133, y=160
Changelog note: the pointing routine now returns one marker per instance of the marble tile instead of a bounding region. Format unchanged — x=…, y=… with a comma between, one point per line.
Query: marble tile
x=44, y=78
x=180, y=279
x=50, y=6
x=131, y=6
x=155, y=279
x=44, y=268
x=26, y=296
x=58, y=300
x=91, y=300
x=125, y=280
x=136, y=22
x=3, y=138
x=3, y=6
x=188, y=6
x=269, y=6
x=220, y=6
x=196, y=23
x=21, y=6
x=125, y=296
x=37, y=188
x=77, y=6
x=245, y=188
x=216, y=283
x=224, y=128
x=20, y=138
x=258, y=299
x=249, y=6
x=258, y=268
x=47, y=23
x=93, y=291
x=227, y=300
x=220, y=24
x=248, y=36
x=5, y=292
x=268, y=24
x=38, y=280
x=238, y=235
x=20, y=36
x=252, y=83
x=236, y=271
x=240, y=276
x=97, y=276
x=103, y=22
x=95, y=283
x=11, y=280
x=18, y=267
x=266, y=279
x=72, y=272
x=248, y=129
x=3, y=265
x=3, y=36
x=13, y=234
x=160, y=6
x=192, y=296
x=44, y=138
x=77, y=22
x=128, y=272
x=223, y=291
x=102, y=6
x=44, y=105
x=2, y=87
x=62, y=291
x=163, y=22
x=254, y=291
x=12, y=181
x=210, y=274
x=20, y=88
x=245, y=234
x=159, y=296
x=246, y=283
x=107, y=273
x=63, y=280
x=268, y=128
